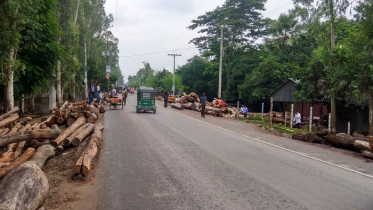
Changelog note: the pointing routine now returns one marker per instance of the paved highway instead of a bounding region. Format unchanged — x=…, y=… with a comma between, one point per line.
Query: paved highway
x=170, y=161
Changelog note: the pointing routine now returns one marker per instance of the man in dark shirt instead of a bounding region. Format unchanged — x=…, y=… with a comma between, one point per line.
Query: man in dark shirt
x=203, y=100
x=165, y=97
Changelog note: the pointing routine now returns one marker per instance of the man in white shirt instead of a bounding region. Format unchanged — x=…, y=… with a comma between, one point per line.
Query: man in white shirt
x=297, y=119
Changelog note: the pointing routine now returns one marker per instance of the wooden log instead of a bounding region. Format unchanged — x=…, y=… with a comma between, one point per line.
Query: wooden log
x=84, y=107
x=340, y=141
x=5, y=131
x=36, y=144
x=34, y=188
x=28, y=136
x=92, y=118
x=28, y=118
x=60, y=120
x=83, y=165
x=35, y=126
x=64, y=105
x=368, y=154
x=74, y=115
x=79, y=103
x=59, y=150
x=66, y=113
x=2, y=165
x=9, y=120
x=7, y=157
x=14, y=110
x=322, y=133
x=311, y=138
x=177, y=106
x=79, y=122
x=102, y=108
x=71, y=121
x=81, y=135
x=21, y=144
x=24, y=157
x=50, y=121
x=94, y=110
x=54, y=126
x=68, y=140
x=362, y=145
x=12, y=146
x=58, y=113
x=298, y=136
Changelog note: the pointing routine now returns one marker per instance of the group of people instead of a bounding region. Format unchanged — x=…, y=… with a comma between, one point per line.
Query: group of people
x=95, y=87
x=244, y=110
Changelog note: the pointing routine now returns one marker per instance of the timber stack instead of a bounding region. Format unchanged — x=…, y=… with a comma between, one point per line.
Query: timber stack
x=26, y=146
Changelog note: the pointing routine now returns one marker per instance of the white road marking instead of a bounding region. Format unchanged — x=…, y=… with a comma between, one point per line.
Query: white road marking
x=283, y=148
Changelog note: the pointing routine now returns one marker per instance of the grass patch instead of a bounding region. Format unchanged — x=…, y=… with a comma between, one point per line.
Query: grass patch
x=257, y=119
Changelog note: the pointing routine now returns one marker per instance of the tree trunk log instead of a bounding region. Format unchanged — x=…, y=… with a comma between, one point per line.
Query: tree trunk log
x=92, y=118
x=68, y=140
x=59, y=150
x=81, y=135
x=6, y=130
x=95, y=110
x=50, y=121
x=79, y=122
x=64, y=105
x=34, y=188
x=14, y=110
x=102, y=108
x=342, y=141
x=79, y=103
x=9, y=120
x=83, y=165
x=7, y=157
x=177, y=106
x=368, y=154
x=13, y=130
x=322, y=133
x=74, y=115
x=60, y=120
x=361, y=145
x=28, y=136
x=27, y=155
x=70, y=121
x=55, y=126
x=21, y=144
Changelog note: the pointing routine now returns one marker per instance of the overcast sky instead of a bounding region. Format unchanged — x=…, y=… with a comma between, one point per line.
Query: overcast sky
x=150, y=26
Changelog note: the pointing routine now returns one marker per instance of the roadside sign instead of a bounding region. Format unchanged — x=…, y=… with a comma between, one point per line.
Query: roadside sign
x=173, y=87
x=108, y=69
x=107, y=76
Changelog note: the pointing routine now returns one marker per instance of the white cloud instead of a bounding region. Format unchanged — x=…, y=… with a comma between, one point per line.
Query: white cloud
x=147, y=26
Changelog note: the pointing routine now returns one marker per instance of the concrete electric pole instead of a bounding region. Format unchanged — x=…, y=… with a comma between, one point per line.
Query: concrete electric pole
x=221, y=63
x=173, y=86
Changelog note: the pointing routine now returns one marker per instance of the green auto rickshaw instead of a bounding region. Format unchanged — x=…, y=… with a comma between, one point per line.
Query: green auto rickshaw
x=146, y=99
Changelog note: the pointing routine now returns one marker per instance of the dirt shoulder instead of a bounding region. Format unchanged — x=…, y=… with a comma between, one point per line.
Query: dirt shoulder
x=66, y=192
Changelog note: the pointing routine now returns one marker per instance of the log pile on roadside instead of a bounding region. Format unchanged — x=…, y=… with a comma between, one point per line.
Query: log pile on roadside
x=25, y=147
x=354, y=142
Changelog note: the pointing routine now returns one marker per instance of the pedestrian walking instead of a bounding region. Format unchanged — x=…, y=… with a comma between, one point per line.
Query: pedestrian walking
x=165, y=99
x=92, y=95
x=203, y=100
x=124, y=95
x=297, y=119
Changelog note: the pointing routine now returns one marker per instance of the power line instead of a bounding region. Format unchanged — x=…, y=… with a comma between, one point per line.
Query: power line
x=127, y=56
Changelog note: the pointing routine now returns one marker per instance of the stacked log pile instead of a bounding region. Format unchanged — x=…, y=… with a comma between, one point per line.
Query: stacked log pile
x=25, y=147
x=357, y=143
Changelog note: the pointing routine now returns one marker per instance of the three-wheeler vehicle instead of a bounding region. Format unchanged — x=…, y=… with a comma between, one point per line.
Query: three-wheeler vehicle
x=146, y=100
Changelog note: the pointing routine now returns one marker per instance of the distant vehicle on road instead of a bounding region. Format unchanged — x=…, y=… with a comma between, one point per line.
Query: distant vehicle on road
x=146, y=99
x=132, y=91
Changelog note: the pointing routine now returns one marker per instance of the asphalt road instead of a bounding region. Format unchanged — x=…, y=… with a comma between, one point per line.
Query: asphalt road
x=170, y=161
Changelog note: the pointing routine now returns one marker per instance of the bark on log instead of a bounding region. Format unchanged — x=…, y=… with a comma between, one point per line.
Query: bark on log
x=7, y=157
x=81, y=135
x=54, y=126
x=2, y=165
x=83, y=165
x=74, y=115
x=368, y=154
x=59, y=150
x=92, y=118
x=12, y=146
x=58, y=113
x=68, y=140
x=9, y=120
x=36, y=144
x=66, y=113
x=28, y=136
x=79, y=103
x=21, y=144
x=361, y=145
x=322, y=133
x=14, y=110
x=70, y=121
x=102, y=108
x=42, y=126
x=50, y=121
x=6, y=130
x=340, y=141
x=79, y=122
x=24, y=157
x=177, y=106
x=94, y=110
x=34, y=188
x=60, y=120
x=64, y=105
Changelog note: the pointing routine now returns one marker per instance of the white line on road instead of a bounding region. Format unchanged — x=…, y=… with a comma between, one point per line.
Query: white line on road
x=283, y=148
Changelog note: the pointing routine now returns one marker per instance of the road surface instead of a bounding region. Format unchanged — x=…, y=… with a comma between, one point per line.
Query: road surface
x=170, y=161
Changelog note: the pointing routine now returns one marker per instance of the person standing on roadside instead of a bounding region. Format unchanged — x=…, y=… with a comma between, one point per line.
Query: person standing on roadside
x=245, y=111
x=165, y=99
x=203, y=100
x=297, y=119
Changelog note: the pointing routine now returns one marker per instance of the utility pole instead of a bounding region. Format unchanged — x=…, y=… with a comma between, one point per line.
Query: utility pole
x=173, y=86
x=221, y=63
